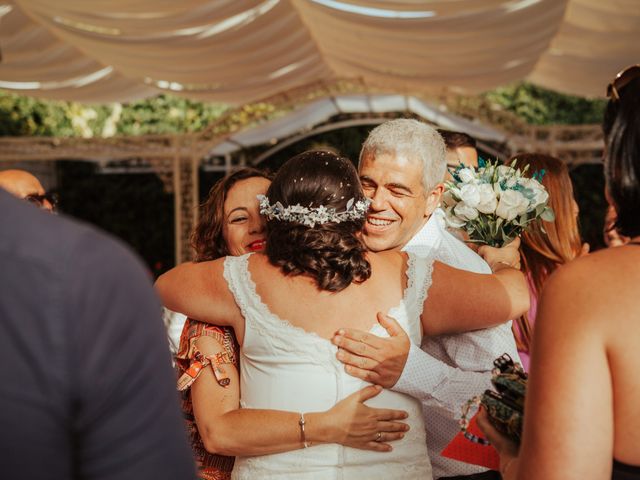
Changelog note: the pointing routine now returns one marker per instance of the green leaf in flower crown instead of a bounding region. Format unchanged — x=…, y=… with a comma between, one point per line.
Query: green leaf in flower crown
x=548, y=215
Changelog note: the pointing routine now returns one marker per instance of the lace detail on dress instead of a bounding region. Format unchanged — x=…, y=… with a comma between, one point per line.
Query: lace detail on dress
x=425, y=279
x=232, y=266
x=284, y=367
x=261, y=467
x=418, y=274
x=280, y=334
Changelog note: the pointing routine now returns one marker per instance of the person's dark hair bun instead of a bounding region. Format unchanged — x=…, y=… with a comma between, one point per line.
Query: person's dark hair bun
x=331, y=253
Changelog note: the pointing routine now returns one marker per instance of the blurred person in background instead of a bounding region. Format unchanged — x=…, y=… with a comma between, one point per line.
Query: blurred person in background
x=25, y=186
x=545, y=246
x=87, y=387
x=461, y=149
x=582, y=400
x=611, y=236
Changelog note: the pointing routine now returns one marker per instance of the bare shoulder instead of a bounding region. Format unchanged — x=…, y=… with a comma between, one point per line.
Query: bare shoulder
x=387, y=259
x=612, y=268
x=597, y=287
x=262, y=271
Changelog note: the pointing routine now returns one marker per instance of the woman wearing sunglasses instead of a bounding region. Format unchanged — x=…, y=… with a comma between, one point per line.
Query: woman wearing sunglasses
x=582, y=402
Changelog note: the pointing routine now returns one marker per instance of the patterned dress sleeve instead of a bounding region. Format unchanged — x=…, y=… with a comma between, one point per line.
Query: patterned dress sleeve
x=189, y=360
x=210, y=466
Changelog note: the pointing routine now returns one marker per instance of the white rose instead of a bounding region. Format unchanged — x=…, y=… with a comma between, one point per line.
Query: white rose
x=505, y=171
x=537, y=195
x=541, y=197
x=488, y=200
x=452, y=220
x=470, y=194
x=512, y=204
x=465, y=212
x=466, y=175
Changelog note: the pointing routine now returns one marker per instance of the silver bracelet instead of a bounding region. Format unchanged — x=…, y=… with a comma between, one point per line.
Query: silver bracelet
x=301, y=422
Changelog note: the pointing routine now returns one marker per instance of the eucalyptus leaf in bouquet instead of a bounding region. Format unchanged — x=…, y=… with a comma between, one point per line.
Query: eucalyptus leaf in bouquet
x=495, y=203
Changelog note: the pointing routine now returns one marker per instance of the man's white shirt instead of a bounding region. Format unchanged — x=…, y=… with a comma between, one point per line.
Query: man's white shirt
x=173, y=323
x=450, y=369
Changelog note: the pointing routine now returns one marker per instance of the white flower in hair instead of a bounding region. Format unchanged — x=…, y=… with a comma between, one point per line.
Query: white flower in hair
x=312, y=216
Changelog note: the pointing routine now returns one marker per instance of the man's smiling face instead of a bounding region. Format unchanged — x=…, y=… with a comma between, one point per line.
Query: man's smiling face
x=400, y=205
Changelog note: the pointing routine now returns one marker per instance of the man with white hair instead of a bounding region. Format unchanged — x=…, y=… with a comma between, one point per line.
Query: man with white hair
x=402, y=167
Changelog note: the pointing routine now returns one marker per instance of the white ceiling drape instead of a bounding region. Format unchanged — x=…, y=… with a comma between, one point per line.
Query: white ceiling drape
x=235, y=51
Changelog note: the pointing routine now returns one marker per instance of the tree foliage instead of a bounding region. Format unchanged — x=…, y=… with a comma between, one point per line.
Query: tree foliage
x=26, y=116
x=539, y=106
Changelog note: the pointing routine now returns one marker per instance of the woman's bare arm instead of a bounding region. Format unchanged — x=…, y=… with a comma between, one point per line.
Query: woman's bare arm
x=226, y=429
x=200, y=291
x=569, y=407
x=460, y=301
x=568, y=431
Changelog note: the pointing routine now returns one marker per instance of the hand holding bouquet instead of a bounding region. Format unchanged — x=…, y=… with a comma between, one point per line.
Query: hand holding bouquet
x=495, y=203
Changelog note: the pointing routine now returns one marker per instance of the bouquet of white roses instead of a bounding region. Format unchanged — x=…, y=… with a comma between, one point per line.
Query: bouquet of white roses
x=495, y=203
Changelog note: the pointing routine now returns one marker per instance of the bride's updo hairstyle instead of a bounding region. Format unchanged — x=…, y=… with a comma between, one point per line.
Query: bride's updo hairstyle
x=331, y=253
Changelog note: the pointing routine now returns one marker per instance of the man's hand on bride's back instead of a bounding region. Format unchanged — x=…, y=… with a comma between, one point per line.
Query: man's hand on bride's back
x=353, y=424
x=374, y=359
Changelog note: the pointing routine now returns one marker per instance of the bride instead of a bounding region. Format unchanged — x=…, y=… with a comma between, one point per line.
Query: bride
x=315, y=277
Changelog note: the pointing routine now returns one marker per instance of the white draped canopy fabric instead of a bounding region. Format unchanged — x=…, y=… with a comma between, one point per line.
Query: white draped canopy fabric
x=236, y=51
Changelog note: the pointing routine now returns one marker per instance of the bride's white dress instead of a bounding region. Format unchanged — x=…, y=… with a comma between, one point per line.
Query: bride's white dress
x=286, y=368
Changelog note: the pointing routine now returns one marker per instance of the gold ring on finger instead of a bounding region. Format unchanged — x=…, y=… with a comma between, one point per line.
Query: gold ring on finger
x=379, y=437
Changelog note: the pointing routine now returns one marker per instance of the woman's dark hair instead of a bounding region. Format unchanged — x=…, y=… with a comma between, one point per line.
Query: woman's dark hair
x=207, y=239
x=330, y=253
x=454, y=140
x=621, y=128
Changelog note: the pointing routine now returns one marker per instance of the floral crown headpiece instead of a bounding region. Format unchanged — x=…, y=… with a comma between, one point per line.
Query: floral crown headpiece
x=312, y=216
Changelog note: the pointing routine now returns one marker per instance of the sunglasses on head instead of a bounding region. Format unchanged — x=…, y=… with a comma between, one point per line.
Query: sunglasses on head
x=38, y=199
x=621, y=80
